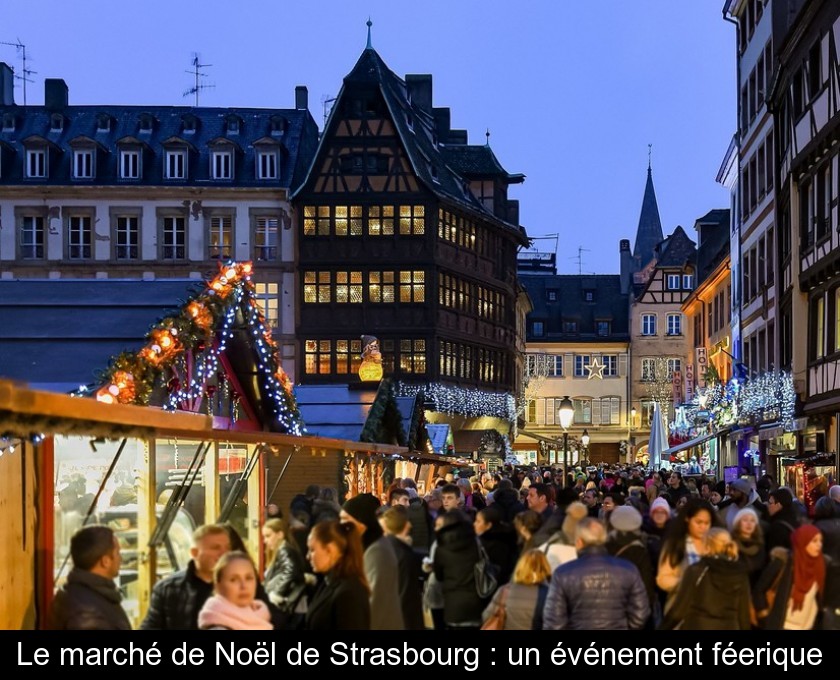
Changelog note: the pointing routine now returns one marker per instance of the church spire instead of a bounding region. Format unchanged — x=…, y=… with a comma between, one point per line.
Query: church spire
x=649, y=231
x=369, y=42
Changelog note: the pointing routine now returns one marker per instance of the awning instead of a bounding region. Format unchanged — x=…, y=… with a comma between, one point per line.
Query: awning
x=558, y=442
x=692, y=442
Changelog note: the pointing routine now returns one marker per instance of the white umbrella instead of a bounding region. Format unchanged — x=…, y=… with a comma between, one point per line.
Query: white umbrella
x=658, y=438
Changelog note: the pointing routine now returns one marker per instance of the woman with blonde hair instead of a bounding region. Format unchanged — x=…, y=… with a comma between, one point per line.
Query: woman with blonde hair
x=234, y=604
x=284, y=579
x=714, y=593
x=342, y=598
x=524, y=597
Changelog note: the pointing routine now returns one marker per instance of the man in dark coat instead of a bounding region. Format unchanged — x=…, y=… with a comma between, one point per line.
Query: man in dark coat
x=596, y=591
x=783, y=518
x=177, y=599
x=90, y=600
x=506, y=499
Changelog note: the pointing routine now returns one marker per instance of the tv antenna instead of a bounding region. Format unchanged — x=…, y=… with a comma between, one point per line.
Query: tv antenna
x=199, y=86
x=327, y=101
x=25, y=72
x=579, y=258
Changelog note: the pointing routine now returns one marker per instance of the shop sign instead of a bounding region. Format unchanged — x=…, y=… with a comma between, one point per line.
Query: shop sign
x=689, y=383
x=676, y=387
x=701, y=359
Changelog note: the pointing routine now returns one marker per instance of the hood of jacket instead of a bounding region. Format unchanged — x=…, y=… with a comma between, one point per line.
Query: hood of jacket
x=456, y=536
x=726, y=576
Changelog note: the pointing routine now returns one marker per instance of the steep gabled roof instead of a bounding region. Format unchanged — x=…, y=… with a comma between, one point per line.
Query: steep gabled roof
x=677, y=250
x=713, y=241
x=649, y=231
x=430, y=158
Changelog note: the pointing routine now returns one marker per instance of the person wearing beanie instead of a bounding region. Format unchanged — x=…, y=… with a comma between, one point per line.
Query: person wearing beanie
x=654, y=526
x=625, y=540
x=381, y=564
x=834, y=495
x=743, y=495
x=749, y=537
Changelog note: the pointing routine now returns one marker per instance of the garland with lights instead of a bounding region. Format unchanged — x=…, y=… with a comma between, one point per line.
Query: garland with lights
x=200, y=333
x=767, y=397
x=462, y=401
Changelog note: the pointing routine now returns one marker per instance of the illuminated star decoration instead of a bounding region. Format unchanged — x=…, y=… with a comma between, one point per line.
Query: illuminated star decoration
x=596, y=370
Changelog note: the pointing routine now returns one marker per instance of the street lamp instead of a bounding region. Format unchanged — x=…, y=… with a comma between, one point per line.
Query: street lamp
x=584, y=440
x=632, y=417
x=565, y=414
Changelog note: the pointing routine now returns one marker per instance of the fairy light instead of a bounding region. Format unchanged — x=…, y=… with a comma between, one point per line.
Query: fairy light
x=462, y=401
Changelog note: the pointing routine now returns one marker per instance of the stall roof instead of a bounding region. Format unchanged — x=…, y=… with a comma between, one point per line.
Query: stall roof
x=693, y=442
x=24, y=411
x=438, y=435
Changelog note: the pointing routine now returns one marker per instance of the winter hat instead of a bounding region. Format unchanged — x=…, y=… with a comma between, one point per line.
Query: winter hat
x=741, y=485
x=743, y=511
x=658, y=503
x=362, y=508
x=834, y=493
x=625, y=518
x=575, y=512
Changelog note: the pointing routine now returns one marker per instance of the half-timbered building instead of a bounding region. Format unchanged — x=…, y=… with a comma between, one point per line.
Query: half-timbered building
x=406, y=233
x=807, y=101
x=659, y=278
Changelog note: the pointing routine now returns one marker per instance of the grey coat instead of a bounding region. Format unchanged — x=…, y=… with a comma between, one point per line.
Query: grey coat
x=382, y=571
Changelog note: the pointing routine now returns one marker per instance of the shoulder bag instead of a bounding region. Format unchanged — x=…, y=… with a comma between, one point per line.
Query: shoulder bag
x=486, y=574
x=497, y=618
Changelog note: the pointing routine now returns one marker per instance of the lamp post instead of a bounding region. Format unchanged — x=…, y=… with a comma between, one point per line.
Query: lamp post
x=565, y=414
x=584, y=440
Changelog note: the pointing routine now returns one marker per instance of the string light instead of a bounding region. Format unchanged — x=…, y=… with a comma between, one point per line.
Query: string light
x=462, y=401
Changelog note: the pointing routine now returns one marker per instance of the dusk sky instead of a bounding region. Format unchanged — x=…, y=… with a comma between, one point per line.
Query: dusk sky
x=572, y=92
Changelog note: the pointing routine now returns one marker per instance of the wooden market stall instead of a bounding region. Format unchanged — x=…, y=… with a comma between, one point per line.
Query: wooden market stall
x=119, y=460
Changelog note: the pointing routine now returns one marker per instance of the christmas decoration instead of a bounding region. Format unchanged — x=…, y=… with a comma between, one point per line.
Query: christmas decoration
x=596, y=369
x=462, y=401
x=182, y=354
x=371, y=367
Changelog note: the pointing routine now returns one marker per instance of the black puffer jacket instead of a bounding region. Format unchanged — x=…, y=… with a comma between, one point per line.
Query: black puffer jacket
x=176, y=601
x=507, y=500
x=88, y=602
x=596, y=592
x=500, y=545
x=455, y=558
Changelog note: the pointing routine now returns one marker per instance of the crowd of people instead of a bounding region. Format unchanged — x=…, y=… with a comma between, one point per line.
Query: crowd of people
x=604, y=549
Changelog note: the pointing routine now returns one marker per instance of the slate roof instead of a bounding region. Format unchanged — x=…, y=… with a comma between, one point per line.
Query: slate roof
x=418, y=140
x=570, y=304
x=55, y=334
x=649, y=231
x=677, y=250
x=475, y=161
x=713, y=241
x=297, y=142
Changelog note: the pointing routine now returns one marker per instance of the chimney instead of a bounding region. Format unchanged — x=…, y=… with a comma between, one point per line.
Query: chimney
x=625, y=258
x=419, y=88
x=7, y=85
x=56, y=94
x=301, y=97
x=442, y=123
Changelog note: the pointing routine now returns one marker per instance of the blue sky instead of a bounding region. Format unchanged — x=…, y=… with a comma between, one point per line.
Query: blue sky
x=572, y=92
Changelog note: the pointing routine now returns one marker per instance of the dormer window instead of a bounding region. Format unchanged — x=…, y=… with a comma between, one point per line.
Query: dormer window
x=146, y=122
x=189, y=123
x=233, y=124
x=36, y=163
x=83, y=160
x=8, y=122
x=277, y=124
x=221, y=164
x=552, y=296
x=175, y=164
x=129, y=163
x=56, y=122
x=103, y=123
x=267, y=164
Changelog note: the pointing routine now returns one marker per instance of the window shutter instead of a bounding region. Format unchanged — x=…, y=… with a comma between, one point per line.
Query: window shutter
x=615, y=414
x=549, y=412
x=541, y=411
x=622, y=364
x=596, y=411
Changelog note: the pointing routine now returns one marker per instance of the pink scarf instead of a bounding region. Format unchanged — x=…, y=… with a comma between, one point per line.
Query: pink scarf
x=217, y=611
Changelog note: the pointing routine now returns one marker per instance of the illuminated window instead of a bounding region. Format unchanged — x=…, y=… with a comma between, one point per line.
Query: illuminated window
x=310, y=289
x=412, y=286
x=309, y=220
x=381, y=286
x=317, y=356
x=381, y=220
x=413, y=356
x=412, y=220
x=267, y=296
x=323, y=220
x=220, y=240
x=348, y=356
x=348, y=287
